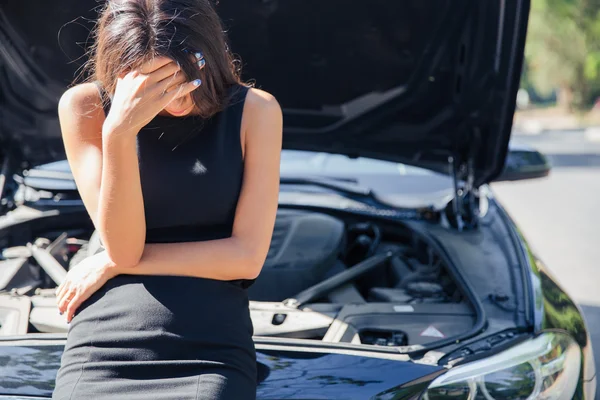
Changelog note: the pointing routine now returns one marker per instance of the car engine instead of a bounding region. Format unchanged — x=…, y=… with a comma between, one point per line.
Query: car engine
x=308, y=247
x=336, y=278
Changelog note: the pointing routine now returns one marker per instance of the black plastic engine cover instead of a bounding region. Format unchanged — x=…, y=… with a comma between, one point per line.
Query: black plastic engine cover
x=304, y=247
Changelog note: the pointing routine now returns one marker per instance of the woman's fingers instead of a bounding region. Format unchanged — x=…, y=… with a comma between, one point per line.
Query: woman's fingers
x=74, y=305
x=168, y=83
x=167, y=86
x=181, y=90
x=154, y=64
x=172, y=67
x=171, y=83
x=70, y=302
x=63, y=301
x=61, y=289
x=198, y=59
x=165, y=75
x=152, y=87
x=167, y=71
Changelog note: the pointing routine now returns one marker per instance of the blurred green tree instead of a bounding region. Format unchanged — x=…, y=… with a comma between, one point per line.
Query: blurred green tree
x=563, y=50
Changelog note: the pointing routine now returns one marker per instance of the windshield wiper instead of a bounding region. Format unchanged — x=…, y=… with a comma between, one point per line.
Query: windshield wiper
x=328, y=183
x=359, y=194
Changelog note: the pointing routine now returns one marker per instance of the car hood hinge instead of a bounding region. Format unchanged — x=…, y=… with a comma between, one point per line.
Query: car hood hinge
x=465, y=203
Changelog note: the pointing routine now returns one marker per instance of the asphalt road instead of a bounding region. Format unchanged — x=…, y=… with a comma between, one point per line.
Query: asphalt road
x=560, y=216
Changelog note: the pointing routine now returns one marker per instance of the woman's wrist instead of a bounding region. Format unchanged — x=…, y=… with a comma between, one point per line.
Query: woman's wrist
x=110, y=269
x=117, y=142
x=114, y=130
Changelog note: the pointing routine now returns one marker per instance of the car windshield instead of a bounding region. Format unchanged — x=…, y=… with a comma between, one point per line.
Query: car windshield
x=393, y=184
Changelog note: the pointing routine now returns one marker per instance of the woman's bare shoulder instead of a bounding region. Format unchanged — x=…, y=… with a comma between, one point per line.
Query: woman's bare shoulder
x=262, y=124
x=80, y=106
x=81, y=97
x=258, y=98
x=262, y=106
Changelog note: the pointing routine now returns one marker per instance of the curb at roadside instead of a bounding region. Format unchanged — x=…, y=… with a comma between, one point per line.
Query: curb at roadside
x=591, y=133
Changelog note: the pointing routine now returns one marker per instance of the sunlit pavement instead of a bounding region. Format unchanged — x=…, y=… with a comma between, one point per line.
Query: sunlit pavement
x=560, y=215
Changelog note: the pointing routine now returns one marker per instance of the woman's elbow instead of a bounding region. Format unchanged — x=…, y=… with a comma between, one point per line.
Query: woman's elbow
x=124, y=251
x=254, y=260
x=124, y=259
x=125, y=256
x=252, y=271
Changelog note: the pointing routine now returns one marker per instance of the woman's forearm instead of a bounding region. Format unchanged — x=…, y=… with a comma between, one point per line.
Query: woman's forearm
x=221, y=259
x=121, y=219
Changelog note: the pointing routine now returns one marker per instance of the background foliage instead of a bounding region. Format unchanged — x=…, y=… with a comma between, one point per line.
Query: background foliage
x=563, y=52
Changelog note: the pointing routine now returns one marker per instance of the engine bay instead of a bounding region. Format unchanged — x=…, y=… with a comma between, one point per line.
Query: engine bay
x=333, y=278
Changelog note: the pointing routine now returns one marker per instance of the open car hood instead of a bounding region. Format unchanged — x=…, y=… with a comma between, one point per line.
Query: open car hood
x=423, y=82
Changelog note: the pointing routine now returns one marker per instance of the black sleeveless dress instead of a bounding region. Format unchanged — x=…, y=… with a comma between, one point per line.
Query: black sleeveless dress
x=172, y=337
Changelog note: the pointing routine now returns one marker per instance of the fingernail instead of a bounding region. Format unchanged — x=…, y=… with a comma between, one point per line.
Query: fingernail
x=201, y=63
x=197, y=82
x=60, y=313
x=199, y=55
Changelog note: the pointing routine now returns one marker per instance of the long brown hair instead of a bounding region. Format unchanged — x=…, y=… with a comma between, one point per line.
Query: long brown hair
x=130, y=32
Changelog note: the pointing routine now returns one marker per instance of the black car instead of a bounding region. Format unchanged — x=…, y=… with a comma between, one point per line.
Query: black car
x=393, y=273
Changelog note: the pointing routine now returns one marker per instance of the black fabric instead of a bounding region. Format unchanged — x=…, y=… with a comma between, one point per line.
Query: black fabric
x=172, y=337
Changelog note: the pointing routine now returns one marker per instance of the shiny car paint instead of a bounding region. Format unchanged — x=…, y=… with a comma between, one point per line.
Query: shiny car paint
x=28, y=368
x=293, y=369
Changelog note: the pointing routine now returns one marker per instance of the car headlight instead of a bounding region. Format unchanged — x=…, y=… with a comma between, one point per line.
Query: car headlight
x=543, y=368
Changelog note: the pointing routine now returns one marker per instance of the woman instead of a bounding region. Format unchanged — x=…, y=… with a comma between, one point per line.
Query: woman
x=179, y=172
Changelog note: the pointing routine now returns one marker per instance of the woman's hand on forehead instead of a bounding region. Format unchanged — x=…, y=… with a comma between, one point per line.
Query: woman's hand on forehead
x=150, y=66
x=141, y=93
x=162, y=62
x=154, y=64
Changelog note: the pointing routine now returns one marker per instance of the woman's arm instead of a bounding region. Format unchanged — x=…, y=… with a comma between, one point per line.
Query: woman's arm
x=242, y=255
x=121, y=219
x=105, y=168
x=81, y=118
x=102, y=152
x=239, y=257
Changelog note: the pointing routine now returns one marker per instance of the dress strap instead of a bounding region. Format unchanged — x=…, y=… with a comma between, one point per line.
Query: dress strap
x=237, y=94
x=104, y=97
